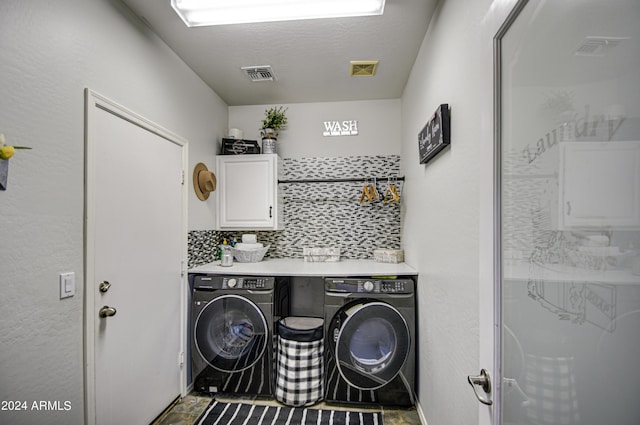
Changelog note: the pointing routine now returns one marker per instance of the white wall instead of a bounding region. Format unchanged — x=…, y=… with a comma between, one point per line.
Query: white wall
x=448, y=204
x=51, y=51
x=378, y=125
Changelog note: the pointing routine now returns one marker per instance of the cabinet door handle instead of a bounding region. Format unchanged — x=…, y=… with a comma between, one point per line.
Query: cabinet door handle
x=270, y=211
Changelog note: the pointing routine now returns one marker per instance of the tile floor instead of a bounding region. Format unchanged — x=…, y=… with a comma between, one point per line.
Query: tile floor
x=187, y=410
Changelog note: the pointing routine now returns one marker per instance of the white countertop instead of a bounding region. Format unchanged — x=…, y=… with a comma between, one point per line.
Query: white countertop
x=298, y=267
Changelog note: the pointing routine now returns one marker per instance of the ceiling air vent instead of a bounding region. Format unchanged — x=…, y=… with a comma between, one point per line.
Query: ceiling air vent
x=598, y=46
x=363, y=68
x=259, y=73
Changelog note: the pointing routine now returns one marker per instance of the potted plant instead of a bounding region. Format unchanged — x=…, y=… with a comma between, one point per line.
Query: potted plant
x=275, y=118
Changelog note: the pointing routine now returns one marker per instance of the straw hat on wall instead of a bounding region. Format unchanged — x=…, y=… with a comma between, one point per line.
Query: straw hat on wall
x=204, y=181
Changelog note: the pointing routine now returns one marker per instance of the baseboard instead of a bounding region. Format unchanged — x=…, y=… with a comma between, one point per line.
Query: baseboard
x=188, y=390
x=423, y=420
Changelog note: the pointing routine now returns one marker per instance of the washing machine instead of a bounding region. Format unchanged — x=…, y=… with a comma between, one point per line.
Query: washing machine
x=370, y=340
x=232, y=322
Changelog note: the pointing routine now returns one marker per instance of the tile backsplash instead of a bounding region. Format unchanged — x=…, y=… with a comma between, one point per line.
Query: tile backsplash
x=203, y=246
x=323, y=214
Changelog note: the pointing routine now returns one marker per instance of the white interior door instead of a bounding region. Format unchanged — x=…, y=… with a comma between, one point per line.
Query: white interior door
x=136, y=241
x=568, y=278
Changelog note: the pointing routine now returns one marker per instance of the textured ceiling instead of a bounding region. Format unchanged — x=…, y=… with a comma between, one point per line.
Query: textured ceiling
x=310, y=58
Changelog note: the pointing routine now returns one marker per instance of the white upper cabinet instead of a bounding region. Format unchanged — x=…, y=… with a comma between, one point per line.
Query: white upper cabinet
x=247, y=197
x=600, y=184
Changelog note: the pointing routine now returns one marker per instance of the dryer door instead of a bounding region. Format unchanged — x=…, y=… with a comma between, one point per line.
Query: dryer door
x=231, y=333
x=371, y=342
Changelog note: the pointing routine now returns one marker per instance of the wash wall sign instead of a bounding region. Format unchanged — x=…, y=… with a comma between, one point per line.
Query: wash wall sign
x=340, y=128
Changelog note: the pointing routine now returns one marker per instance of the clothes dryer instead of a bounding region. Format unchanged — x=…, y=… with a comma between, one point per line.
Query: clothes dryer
x=232, y=322
x=370, y=339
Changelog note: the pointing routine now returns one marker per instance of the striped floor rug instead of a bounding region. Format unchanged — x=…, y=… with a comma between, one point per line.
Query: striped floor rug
x=220, y=413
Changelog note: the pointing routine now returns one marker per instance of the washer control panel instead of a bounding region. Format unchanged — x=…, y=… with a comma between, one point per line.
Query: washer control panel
x=211, y=282
x=374, y=286
x=247, y=283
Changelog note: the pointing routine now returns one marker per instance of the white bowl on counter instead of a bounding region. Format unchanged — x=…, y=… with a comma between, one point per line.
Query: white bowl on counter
x=254, y=255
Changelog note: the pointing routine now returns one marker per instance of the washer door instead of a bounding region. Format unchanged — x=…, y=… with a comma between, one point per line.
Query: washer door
x=231, y=333
x=371, y=342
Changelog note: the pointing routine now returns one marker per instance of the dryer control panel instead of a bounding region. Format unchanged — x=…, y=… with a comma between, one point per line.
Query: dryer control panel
x=374, y=286
x=233, y=282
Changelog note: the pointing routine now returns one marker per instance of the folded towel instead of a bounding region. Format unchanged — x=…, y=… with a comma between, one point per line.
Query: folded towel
x=248, y=246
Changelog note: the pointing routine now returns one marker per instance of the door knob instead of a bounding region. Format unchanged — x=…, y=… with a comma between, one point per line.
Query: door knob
x=107, y=311
x=483, y=381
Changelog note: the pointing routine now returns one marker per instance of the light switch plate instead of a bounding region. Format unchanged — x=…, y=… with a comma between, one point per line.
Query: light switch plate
x=67, y=285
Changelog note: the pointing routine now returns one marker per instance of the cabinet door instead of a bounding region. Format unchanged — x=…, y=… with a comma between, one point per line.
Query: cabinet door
x=247, y=192
x=600, y=184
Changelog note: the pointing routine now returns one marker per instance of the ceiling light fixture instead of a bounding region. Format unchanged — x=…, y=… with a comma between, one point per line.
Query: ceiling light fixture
x=197, y=13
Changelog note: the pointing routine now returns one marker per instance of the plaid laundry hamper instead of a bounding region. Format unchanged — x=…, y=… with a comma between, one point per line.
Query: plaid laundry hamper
x=300, y=362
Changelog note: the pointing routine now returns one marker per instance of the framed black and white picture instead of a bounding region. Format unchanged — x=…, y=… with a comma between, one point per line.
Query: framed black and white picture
x=435, y=135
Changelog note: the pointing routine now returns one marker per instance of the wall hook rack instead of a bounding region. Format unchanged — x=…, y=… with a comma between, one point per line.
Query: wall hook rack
x=354, y=180
x=386, y=190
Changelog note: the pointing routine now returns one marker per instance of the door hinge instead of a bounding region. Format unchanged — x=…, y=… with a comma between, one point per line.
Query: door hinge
x=181, y=358
x=183, y=269
x=182, y=178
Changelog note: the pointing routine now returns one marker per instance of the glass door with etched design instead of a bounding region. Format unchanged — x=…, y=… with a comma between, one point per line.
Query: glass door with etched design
x=569, y=213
